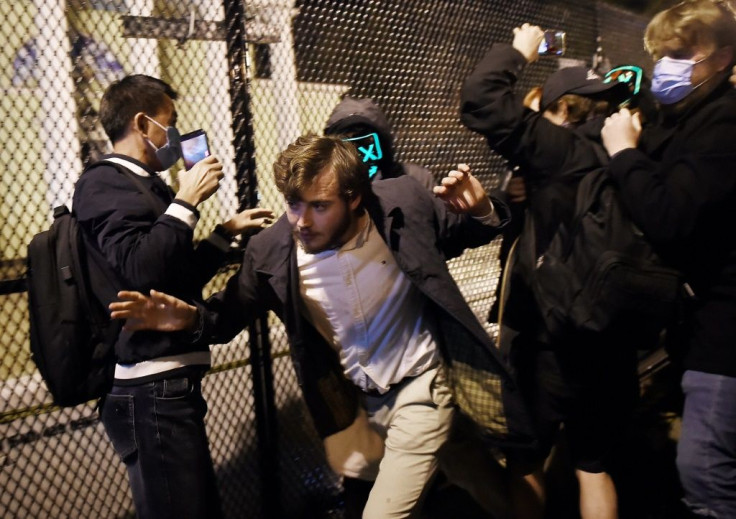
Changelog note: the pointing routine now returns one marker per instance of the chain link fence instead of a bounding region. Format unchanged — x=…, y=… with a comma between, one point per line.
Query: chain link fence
x=254, y=75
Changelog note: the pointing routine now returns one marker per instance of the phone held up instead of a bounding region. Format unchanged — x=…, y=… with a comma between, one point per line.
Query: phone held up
x=194, y=147
x=553, y=43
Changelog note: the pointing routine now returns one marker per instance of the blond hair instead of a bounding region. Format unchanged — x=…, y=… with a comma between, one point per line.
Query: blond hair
x=708, y=24
x=533, y=98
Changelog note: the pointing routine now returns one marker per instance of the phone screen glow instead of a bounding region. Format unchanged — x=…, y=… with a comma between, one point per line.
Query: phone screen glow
x=553, y=43
x=195, y=149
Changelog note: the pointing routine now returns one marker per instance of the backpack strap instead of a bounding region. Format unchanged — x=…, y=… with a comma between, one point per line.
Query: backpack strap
x=586, y=197
x=502, y=294
x=156, y=204
x=107, y=283
x=81, y=265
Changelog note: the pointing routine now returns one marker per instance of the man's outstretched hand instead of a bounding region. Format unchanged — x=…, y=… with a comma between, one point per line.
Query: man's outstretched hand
x=462, y=193
x=158, y=311
x=249, y=219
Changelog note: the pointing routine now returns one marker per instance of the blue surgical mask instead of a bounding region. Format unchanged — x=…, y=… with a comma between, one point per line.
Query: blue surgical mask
x=672, y=79
x=170, y=152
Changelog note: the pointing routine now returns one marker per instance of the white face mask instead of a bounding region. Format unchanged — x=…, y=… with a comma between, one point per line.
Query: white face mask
x=672, y=79
x=170, y=152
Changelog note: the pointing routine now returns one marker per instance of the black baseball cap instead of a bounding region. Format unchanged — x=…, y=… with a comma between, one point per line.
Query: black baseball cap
x=580, y=81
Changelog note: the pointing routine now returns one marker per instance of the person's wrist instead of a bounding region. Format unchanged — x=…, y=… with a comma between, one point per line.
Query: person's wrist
x=482, y=210
x=529, y=54
x=615, y=150
x=222, y=231
x=193, y=320
x=619, y=151
x=188, y=197
x=489, y=218
x=185, y=204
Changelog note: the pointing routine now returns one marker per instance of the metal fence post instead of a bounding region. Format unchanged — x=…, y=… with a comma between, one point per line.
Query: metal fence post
x=265, y=410
x=247, y=189
x=245, y=162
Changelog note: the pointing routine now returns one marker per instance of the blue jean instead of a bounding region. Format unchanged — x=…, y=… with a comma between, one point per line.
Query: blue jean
x=157, y=429
x=706, y=453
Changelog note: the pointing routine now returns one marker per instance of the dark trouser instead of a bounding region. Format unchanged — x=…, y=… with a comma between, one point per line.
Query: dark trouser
x=355, y=494
x=587, y=382
x=706, y=453
x=157, y=429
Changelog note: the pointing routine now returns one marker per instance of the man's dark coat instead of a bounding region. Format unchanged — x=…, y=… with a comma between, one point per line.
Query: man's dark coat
x=422, y=235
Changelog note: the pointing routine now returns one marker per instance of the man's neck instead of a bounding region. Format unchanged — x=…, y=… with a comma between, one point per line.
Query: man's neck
x=359, y=231
x=133, y=150
x=358, y=224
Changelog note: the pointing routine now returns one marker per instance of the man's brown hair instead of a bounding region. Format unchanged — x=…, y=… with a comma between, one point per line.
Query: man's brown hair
x=297, y=166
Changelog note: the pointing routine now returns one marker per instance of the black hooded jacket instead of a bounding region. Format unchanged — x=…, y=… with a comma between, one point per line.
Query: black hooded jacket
x=351, y=113
x=552, y=159
x=679, y=187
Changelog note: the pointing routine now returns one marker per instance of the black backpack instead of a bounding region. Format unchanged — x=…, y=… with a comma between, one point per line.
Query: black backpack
x=70, y=285
x=601, y=273
x=72, y=336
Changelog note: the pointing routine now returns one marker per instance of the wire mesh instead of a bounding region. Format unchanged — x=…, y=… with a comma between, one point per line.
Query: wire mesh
x=254, y=76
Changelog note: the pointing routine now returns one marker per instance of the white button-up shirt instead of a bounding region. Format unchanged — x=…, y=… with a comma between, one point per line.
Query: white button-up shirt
x=361, y=302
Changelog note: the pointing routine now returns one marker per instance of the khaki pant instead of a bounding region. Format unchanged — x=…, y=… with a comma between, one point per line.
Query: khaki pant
x=394, y=440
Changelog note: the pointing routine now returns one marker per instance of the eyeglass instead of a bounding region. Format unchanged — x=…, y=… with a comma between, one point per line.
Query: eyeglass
x=629, y=74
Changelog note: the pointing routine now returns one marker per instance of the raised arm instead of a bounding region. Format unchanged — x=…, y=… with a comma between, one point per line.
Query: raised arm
x=465, y=215
x=462, y=193
x=216, y=321
x=490, y=106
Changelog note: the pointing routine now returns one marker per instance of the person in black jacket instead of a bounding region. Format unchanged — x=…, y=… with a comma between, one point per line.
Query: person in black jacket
x=512, y=191
x=154, y=413
x=677, y=181
x=587, y=383
x=365, y=124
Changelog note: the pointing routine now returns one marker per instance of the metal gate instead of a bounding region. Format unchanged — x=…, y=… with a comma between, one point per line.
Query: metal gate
x=254, y=75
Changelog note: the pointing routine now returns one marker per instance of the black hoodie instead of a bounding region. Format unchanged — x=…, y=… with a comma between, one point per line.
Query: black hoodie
x=351, y=113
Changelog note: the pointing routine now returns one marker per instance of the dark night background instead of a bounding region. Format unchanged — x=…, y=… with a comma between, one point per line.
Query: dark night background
x=646, y=7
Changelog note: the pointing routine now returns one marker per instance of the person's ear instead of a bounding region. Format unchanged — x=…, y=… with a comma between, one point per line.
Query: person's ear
x=564, y=110
x=140, y=123
x=723, y=57
x=354, y=202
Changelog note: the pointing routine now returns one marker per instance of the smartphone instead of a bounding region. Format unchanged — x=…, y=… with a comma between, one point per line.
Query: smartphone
x=553, y=43
x=194, y=147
